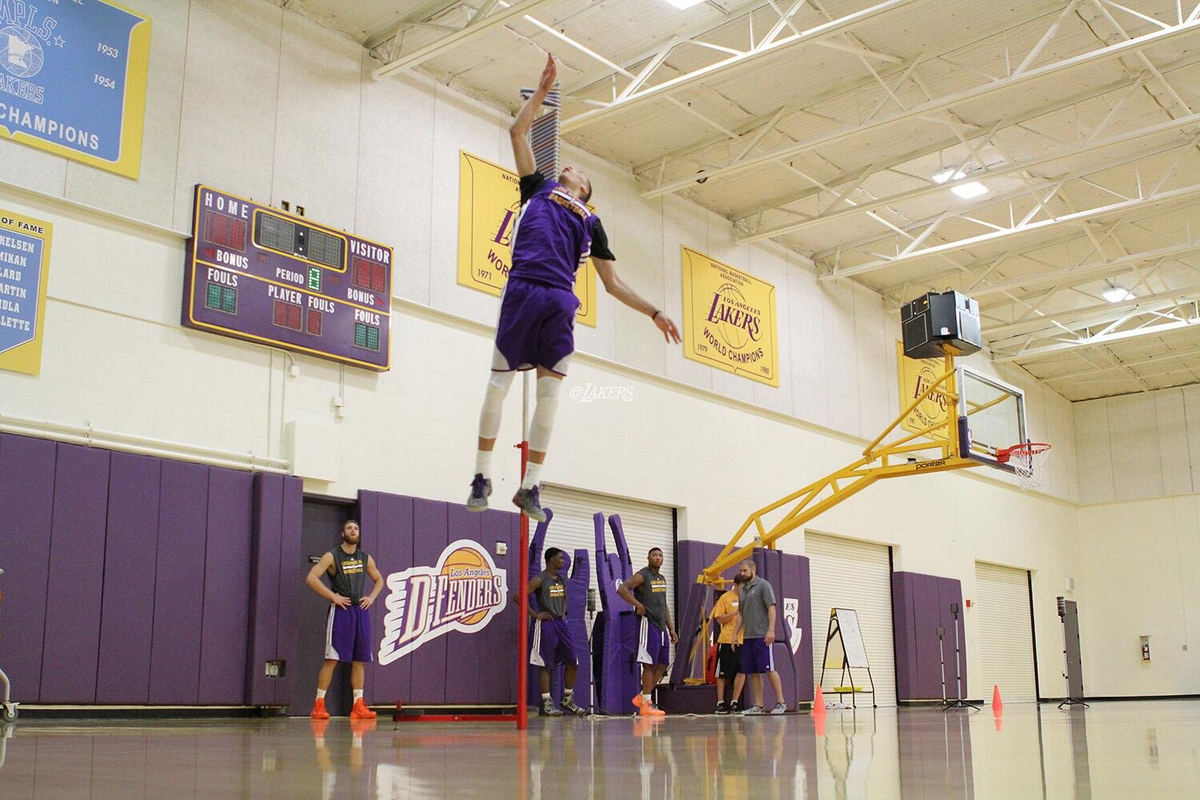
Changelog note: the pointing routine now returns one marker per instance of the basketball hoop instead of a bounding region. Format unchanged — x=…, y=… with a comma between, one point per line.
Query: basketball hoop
x=1028, y=460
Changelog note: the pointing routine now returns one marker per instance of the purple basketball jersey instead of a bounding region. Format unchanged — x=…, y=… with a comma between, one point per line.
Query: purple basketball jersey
x=552, y=237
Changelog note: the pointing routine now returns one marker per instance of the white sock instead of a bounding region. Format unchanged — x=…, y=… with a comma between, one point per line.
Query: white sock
x=533, y=475
x=483, y=462
x=545, y=697
x=568, y=694
x=358, y=695
x=645, y=698
x=320, y=694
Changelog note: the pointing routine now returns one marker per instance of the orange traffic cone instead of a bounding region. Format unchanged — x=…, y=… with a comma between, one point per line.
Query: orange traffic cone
x=819, y=703
x=997, y=703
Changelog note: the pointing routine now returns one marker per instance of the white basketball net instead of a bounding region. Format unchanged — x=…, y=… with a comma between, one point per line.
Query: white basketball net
x=1029, y=463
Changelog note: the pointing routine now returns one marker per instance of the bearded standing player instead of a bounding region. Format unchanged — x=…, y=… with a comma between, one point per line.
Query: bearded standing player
x=554, y=235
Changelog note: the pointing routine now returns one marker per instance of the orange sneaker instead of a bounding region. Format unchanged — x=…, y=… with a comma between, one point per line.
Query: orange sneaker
x=650, y=710
x=637, y=700
x=319, y=711
x=360, y=710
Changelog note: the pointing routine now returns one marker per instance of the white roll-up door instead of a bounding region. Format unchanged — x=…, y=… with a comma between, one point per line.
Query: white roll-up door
x=646, y=525
x=1005, y=634
x=851, y=574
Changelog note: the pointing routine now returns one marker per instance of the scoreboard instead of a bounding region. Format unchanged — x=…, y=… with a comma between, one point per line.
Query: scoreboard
x=264, y=275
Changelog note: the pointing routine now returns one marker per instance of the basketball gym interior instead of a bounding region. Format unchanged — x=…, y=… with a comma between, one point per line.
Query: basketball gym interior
x=936, y=271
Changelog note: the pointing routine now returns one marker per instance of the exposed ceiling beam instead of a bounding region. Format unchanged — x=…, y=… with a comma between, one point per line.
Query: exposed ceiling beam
x=1014, y=80
x=1053, y=324
x=421, y=15
x=768, y=48
x=978, y=175
x=1098, y=339
x=474, y=30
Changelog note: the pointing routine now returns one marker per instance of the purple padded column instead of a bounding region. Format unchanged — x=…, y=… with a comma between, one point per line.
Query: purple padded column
x=226, y=588
x=27, y=500
x=292, y=569
x=388, y=526
x=262, y=635
x=920, y=605
x=179, y=584
x=464, y=661
x=127, y=611
x=902, y=625
x=497, y=643
x=74, y=590
x=366, y=511
x=430, y=537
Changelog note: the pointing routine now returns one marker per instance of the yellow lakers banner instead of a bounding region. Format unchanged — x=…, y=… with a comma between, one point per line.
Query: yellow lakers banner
x=24, y=272
x=729, y=319
x=915, y=376
x=489, y=201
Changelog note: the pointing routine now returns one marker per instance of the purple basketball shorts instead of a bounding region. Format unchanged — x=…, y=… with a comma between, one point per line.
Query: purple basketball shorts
x=536, y=327
x=757, y=657
x=348, y=634
x=551, y=646
x=654, y=646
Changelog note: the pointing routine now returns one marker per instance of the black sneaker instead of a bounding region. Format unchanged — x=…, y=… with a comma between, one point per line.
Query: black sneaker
x=722, y=707
x=735, y=707
x=527, y=501
x=481, y=487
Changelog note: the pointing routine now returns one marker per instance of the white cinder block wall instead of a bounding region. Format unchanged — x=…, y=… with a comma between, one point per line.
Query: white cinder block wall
x=301, y=120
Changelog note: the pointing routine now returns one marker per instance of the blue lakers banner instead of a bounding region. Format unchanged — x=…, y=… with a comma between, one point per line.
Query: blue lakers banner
x=73, y=79
x=462, y=592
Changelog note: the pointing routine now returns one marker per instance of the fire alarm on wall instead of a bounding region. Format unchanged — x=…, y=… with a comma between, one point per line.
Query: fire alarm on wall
x=968, y=602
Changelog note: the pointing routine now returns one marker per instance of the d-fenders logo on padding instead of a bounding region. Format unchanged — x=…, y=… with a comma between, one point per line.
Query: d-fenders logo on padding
x=462, y=592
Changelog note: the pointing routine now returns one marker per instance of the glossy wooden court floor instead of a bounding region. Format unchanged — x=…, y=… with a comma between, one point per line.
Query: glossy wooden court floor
x=1112, y=750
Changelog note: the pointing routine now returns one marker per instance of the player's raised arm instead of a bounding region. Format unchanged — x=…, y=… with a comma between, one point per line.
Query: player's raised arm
x=607, y=270
x=519, y=132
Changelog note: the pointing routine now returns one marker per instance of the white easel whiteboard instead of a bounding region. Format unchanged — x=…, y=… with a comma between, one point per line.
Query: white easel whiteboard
x=846, y=647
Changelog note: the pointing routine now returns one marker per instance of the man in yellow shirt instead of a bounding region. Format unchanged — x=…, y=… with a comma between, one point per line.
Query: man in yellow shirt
x=729, y=656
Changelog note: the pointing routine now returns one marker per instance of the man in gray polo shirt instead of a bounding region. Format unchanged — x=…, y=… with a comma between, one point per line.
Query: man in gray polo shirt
x=757, y=607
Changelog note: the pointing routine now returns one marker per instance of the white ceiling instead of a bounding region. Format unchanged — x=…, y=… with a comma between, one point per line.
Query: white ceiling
x=820, y=123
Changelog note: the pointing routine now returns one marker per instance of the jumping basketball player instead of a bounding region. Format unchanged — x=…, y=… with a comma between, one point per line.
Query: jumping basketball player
x=348, y=634
x=554, y=236
x=646, y=591
x=551, y=645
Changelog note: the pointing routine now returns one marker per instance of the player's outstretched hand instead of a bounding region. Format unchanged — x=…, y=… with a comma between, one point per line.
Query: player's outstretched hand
x=548, y=74
x=667, y=326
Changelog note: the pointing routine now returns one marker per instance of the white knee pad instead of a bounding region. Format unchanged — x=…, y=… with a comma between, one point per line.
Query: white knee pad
x=493, y=404
x=544, y=413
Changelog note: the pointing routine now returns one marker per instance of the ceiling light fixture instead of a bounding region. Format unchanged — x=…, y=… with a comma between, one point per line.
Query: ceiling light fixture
x=1116, y=294
x=970, y=189
x=682, y=4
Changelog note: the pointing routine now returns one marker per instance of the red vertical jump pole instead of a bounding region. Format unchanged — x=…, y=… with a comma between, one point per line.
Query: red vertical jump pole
x=523, y=573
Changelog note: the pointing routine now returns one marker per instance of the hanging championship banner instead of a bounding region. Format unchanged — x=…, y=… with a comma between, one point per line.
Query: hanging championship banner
x=463, y=592
x=915, y=376
x=24, y=271
x=729, y=319
x=489, y=200
x=73, y=80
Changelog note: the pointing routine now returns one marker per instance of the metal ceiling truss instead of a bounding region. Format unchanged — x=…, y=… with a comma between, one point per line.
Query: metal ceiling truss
x=782, y=35
x=1034, y=214
x=1131, y=324
x=678, y=174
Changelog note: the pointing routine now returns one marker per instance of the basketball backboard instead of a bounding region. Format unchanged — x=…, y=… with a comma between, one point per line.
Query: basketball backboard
x=991, y=416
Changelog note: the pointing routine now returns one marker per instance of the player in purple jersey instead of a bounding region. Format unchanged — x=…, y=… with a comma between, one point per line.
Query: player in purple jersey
x=554, y=235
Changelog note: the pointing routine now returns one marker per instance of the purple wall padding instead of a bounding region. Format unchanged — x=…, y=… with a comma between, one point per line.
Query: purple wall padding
x=179, y=584
x=266, y=535
x=920, y=605
x=463, y=658
x=387, y=524
x=430, y=537
x=74, y=591
x=226, y=588
x=127, y=613
x=292, y=570
x=26, y=503
x=276, y=576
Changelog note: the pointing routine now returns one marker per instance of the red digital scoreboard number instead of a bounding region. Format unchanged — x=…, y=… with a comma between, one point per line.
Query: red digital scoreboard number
x=263, y=275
